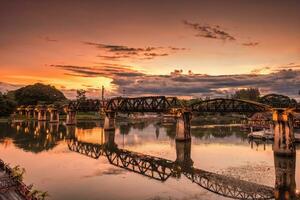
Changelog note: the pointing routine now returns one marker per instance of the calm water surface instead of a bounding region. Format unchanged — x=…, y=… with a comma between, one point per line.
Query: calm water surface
x=51, y=165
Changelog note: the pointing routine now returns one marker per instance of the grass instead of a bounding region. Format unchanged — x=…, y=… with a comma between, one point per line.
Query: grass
x=4, y=119
x=85, y=116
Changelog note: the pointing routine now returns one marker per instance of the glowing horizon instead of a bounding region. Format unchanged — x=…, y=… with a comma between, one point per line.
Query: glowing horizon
x=131, y=46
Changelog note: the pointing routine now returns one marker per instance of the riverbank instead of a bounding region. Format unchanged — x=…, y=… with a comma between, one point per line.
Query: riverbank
x=4, y=119
x=11, y=185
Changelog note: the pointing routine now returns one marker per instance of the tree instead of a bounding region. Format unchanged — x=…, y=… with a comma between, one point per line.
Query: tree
x=247, y=94
x=7, y=105
x=33, y=94
x=81, y=95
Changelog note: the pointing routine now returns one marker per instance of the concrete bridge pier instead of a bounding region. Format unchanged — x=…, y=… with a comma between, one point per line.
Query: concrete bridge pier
x=29, y=112
x=183, y=154
x=21, y=111
x=53, y=128
x=284, y=141
x=183, y=126
x=109, y=121
x=40, y=128
x=71, y=116
x=109, y=138
x=285, y=182
x=42, y=114
x=70, y=131
x=35, y=114
x=54, y=115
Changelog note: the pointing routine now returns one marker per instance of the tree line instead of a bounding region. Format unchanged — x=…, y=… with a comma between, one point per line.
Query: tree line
x=46, y=94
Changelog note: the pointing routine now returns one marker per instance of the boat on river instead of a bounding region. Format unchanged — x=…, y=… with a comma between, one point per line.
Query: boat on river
x=265, y=134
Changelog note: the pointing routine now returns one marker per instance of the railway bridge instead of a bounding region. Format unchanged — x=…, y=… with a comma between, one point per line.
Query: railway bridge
x=282, y=112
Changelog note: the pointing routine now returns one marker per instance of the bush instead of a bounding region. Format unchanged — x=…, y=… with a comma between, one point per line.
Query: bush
x=7, y=105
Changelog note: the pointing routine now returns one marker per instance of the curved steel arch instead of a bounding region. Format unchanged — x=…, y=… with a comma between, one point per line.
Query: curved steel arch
x=223, y=105
x=278, y=101
x=143, y=104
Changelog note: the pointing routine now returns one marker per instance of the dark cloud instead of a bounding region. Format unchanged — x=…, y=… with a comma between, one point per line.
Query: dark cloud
x=208, y=31
x=112, y=57
x=109, y=71
x=267, y=69
x=116, y=52
x=250, y=44
x=290, y=66
x=260, y=70
x=135, y=83
x=48, y=39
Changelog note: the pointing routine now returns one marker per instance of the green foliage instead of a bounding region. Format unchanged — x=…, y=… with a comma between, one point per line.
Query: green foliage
x=39, y=194
x=7, y=105
x=18, y=172
x=247, y=94
x=38, y=93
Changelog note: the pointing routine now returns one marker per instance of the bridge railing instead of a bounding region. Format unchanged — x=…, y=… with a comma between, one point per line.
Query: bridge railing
x=143, y=104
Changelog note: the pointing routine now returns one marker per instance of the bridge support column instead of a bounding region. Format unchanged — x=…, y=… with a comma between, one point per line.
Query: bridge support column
x=283, y=133
x=40, y=128
x=71, y=117
x=21, y=111
x=53, y=128
x=54, y=116
x=183, y=154
x=70, y=131
x=42, y=114
x=109, y=121
x=29, y=112
x=183, y=127
x=285, y=183
x=109, y=138
x=35, y=114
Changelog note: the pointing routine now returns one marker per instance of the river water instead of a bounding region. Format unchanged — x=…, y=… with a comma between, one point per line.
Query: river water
x=52, y=165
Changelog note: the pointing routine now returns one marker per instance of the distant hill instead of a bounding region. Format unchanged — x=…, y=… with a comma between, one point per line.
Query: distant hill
x=5, y=87
x=37, y=93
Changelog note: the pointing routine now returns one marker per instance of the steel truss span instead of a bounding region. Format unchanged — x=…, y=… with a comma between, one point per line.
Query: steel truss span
x=163, y=104
x=86, y=105
x=143, y=104
x=161, y=169
x=228, y=106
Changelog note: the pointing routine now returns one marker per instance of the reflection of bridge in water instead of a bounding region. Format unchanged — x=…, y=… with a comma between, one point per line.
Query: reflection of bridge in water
x=282, y=115
x=157, y=168
x=161, y=169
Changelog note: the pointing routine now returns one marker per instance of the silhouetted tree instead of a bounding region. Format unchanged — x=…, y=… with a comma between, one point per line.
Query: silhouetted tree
x=7, y=105
x=247, y=94
x=32, y=94
x=81, y=95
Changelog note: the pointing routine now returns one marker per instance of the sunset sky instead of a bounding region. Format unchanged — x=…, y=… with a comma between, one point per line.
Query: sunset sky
x=182, y=48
